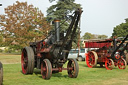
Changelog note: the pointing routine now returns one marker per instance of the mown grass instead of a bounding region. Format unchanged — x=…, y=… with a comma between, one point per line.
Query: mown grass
x=9, y=59
x=87, y=76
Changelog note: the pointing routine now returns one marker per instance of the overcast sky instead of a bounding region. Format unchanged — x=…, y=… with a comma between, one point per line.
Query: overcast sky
x=99, y=16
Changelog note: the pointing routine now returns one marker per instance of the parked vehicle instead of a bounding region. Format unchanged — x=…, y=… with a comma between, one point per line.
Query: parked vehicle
x=111, y=53
x=76, y=54
x=51, y=53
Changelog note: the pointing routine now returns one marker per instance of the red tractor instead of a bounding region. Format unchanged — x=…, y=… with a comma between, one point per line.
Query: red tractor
x=1, y=73
x=51, y=53
x=107, y=52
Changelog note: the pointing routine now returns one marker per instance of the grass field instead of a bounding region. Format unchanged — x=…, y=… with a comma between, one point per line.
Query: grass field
x=87, y=76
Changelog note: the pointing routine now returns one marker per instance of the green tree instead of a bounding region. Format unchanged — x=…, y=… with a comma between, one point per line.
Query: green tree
x=1, y=40
x=93, y=36
x=88, y=36
x=121, y=30
x=102, y=36
x=61, y=10
x=22, y=23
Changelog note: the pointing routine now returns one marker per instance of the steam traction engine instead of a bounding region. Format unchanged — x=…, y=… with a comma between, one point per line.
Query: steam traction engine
x=1, y=73
x=51, y=53
x=109, y=52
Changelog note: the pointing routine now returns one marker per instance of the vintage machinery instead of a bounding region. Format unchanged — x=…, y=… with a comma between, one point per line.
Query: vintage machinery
x=1, y=73
x=109, y=52
x=51, y=53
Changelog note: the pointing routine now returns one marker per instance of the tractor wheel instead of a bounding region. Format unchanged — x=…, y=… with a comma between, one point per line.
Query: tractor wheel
x=79, y=58
x=27, y=60
x=122, y=63
x=91, y=59
x=46, y=69
x=1, y=73
x=72, y=68
x=109, y=64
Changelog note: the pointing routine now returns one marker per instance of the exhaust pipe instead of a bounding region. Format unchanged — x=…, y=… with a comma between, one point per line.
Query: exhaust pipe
x=57, y=29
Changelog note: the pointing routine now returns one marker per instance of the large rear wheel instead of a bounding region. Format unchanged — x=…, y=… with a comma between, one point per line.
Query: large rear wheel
x=72, y=68
x=27, y=60
x=46, y=69
x=1, y=73
x=91, y=59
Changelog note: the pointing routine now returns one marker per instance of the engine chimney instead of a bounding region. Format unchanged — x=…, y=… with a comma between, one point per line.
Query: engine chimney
x=57, y=29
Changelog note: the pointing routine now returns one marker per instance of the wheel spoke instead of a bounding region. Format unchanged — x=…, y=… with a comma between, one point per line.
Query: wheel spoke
x=91, y=59
x=109, y=64
x=72, y=68
x=46, y=69
x=27, y=57
x=121, y=63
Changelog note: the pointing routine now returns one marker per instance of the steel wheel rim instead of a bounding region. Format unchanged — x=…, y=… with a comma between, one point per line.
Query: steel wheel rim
x=79, y=59
x=24, y=61
x=44, y=69
x=71, y=70
x=109, y=64
x=90, y=60
x=121, y=64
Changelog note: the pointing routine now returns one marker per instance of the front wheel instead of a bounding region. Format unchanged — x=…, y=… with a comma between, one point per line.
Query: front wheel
x=122, y=63
x=72, y=68
x=1, y=73
x=46, y=69
x=109, y=64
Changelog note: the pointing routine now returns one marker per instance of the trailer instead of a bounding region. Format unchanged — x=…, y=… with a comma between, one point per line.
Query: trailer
x=51, y=53
x=108, y=52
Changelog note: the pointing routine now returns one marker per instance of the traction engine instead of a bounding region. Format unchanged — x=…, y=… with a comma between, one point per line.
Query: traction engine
x=109, y=52
x=51, y=53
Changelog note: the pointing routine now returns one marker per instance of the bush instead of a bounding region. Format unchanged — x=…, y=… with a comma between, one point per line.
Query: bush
x=1, y=50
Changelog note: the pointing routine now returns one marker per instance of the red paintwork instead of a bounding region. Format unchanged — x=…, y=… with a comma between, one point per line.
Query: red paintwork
x=108, y=64
x=96, y=44
x=24, y=70
x=121, y=64
x=103, y=54
x=43, y=50
x=90, y=60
